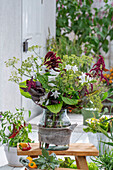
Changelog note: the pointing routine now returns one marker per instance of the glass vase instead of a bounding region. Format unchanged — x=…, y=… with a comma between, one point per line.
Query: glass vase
x=52, y=120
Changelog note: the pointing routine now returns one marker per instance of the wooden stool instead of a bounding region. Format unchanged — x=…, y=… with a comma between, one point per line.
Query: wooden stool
x=79, y=150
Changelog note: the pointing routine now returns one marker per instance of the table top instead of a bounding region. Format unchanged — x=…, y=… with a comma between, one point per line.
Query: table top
x=75, y=149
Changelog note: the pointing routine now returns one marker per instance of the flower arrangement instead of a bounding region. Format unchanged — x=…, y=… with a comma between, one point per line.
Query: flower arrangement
x=56, y=83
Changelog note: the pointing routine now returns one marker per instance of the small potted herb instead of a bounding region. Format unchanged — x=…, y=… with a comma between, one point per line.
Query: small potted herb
x=44, y=161
x=13, y=130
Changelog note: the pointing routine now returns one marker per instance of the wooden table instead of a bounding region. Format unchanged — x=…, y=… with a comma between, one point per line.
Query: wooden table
x=79, y=150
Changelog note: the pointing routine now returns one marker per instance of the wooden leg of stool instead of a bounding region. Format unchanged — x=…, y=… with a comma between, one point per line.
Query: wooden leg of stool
x=81, y=162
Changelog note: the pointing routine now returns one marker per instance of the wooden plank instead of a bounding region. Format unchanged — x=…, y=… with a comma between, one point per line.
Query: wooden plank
x=81, y=162
x=76, y=149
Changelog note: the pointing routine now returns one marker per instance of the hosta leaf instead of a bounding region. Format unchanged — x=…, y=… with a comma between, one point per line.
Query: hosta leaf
x=55, y=108
x=69, y=101
x=23, y=93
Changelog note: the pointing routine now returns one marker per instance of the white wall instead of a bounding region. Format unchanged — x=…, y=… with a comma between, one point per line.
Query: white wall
x=10, y=45
x=11, y=39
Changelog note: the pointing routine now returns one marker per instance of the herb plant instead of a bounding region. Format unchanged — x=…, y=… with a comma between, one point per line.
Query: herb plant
x=44, y=161
x=13, y=128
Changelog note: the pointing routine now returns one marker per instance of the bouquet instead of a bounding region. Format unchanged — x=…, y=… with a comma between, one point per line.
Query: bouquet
x=55, y=84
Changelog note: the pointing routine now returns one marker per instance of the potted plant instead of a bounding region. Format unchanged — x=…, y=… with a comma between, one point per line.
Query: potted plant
x=44, y=161
x=13, y=130
x=58, y=84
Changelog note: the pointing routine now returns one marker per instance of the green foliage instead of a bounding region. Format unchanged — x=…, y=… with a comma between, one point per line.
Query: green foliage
x=44, y=161
x=94, y=123
x=96, y=100
x=70, y=163
x=25, y=94
x=8, y=120
x=105, y=160
x=69, y=101
x=28, y=67
x=55, y=108
x=91, y=29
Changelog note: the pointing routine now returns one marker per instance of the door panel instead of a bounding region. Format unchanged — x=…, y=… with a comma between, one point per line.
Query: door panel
x=31, y=28
x=31, y=18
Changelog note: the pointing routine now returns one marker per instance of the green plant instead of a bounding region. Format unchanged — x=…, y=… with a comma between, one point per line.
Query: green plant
x=13, y=128
x=105, y=160
x=62, y=46
x=70, y=163
x=91, y=27
x=93, y=124
x=44, y=161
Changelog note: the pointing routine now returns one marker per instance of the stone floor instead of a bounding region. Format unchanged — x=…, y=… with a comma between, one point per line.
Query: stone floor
x=78, y=136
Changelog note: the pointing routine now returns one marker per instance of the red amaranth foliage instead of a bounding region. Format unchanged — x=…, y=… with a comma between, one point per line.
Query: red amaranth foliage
x=52, y=61
x=98, y=69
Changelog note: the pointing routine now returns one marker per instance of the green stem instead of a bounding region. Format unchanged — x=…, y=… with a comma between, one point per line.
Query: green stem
x=53, y=124
x=22, y=73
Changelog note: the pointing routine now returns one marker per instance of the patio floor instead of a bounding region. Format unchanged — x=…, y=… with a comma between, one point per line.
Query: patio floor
x=78, y=136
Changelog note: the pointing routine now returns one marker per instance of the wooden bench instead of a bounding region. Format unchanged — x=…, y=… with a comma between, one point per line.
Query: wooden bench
x=79, y=150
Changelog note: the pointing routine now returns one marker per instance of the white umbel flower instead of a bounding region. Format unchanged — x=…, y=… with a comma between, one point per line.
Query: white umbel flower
x=55, y=94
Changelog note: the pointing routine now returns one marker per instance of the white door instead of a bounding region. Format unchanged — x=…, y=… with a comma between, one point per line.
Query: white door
x=32, y=23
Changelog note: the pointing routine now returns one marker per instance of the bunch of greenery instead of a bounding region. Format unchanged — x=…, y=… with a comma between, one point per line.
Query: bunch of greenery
x=93, y=123
x=104, y=161
x=63, y=46
x=44, y=161
x=91, y=26
x=56, y=83
x=69, y=163
x=13, y=128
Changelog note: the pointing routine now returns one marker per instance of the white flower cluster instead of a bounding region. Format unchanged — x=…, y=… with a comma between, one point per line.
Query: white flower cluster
x=69, y=67
x=84, y=78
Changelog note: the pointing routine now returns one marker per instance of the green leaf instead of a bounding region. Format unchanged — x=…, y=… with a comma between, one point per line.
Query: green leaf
x=45, y=153
x=69, y=101
x=29, y=113
x=29, y=126
x=55, y=108
x=108, y=143
x=43, y=79
x=111, y=100
x=25, y=94
x=104, y=96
